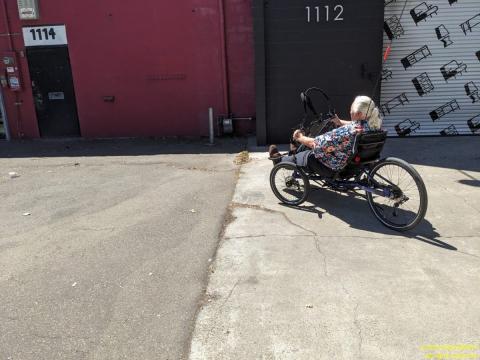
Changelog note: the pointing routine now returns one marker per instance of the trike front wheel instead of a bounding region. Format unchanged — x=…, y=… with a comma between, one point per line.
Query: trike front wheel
x=289, y=184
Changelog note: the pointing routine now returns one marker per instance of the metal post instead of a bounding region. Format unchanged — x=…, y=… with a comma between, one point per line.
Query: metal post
x=210, y=125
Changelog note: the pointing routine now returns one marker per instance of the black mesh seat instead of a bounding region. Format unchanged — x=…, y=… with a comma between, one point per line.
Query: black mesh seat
x=369, y=146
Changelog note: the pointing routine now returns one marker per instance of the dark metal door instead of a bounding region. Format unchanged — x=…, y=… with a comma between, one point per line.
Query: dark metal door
x=53, y=91
x=333, y=44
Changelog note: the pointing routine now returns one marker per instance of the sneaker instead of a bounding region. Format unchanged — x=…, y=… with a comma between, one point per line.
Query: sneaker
x=274, y=154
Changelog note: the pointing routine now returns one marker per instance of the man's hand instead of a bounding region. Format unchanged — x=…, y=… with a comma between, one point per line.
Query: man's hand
x=339, y=122
x=297, y=134
x=336, y=120
x=300, y=137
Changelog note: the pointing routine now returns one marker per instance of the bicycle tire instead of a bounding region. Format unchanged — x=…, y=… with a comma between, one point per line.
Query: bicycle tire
x=380, y=172
x=287, y=176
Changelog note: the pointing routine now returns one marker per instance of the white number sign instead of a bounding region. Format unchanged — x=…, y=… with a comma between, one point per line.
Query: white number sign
x=45, y=35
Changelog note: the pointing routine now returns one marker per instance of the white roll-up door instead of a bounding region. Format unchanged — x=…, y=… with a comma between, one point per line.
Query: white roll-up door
x=431, y=81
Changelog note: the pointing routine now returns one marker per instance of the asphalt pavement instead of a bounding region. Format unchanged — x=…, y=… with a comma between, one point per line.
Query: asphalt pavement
x=105, y=246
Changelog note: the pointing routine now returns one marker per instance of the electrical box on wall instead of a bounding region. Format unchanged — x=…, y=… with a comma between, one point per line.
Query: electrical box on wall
x=10, y=73
x=28, y=9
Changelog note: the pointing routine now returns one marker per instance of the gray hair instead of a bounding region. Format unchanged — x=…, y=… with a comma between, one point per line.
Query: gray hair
x=365, y=104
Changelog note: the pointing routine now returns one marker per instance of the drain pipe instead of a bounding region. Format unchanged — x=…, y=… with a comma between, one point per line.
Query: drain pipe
x=210, y=127
x=224, y=56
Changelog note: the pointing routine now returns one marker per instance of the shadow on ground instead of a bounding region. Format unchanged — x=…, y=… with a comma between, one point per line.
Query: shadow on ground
x=118, y=147
x=353, y=209
x=458, y=152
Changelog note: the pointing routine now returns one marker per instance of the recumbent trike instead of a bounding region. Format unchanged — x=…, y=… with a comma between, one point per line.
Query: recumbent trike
x=394, y=190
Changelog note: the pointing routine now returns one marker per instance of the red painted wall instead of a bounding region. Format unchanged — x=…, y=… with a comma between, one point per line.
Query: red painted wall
x=241, y=57
x=241, y=61
x=130, y=52
x=21, y=118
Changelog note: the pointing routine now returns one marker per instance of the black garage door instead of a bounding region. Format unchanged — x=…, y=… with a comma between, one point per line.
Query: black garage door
x=335, y=45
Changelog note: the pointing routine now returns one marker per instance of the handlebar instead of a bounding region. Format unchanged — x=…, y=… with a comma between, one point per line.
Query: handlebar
x=307, y=102
x=308, y=105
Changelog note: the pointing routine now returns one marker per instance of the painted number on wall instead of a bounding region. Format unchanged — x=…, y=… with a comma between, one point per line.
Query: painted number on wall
x=328, y=13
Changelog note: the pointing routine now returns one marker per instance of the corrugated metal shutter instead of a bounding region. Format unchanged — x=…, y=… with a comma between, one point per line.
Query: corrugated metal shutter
x=431, y=81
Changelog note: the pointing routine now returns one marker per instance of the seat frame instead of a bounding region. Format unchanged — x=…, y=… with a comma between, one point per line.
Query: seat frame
x=367, y=151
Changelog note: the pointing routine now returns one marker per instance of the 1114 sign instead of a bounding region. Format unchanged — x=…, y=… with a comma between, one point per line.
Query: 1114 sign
x=45, y=35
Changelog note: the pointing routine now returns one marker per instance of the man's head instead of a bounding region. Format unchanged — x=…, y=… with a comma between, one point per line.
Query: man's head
x=363, y=108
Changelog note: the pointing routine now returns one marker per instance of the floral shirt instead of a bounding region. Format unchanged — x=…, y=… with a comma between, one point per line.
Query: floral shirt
x=334, y=148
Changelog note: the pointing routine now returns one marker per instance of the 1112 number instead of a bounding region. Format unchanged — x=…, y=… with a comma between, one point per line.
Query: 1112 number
x=314, y=13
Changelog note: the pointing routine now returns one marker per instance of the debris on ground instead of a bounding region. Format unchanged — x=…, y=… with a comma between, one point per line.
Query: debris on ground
x=309, y=306
x=242, y=158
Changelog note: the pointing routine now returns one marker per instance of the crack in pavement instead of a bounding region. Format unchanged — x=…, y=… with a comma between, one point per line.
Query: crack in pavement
x=217, y=312
x=357, y=325
x=355, y=320
x=271, y=211
x=229, y=294
x=313, y=233
x=319, y=250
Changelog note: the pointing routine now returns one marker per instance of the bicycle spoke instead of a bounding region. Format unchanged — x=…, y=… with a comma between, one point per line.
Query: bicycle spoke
x=289, y=184
x=403, y=209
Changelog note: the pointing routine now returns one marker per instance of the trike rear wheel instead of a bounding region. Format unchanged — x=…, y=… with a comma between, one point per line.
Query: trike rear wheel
x=289, y=184
x=405, y=199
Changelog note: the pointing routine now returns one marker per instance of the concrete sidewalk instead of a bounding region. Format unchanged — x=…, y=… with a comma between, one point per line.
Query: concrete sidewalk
x=327, y=281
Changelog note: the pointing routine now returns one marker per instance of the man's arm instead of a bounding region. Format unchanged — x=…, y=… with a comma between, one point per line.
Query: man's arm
x=305, y=140
x=340, y=122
